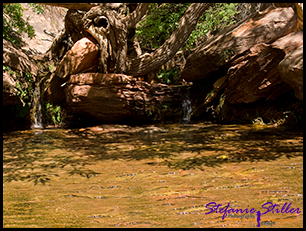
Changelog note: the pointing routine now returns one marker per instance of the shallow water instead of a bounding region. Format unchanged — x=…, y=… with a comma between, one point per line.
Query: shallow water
x=152, y=176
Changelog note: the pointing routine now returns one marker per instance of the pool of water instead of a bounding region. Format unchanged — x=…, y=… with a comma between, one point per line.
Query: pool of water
x=153, y=176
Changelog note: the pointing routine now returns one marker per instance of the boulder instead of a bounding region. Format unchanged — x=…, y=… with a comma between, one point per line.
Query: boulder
x=81, y=58
x=9, y=91
x=289, y=42
x=255, y=75
x=298, y=8
x=118, y=97
x=95, y=94
x=291, y=71
x=17, y=60
x=215, y=55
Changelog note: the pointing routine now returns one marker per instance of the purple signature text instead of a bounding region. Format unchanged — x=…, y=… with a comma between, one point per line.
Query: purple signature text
x=269, y=207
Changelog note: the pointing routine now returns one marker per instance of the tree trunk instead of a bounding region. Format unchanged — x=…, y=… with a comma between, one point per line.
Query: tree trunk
x=108, y=25
x=111, y=29
x=136, y=16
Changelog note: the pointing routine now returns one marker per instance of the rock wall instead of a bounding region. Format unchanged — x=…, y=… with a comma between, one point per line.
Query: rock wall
x=291, y=71
x=255, y=75
x=215, y=55
x=16, y=64
x=118, y=97
x=20, y=69
x=249, y=62
x=51, y=21
x=19, y=74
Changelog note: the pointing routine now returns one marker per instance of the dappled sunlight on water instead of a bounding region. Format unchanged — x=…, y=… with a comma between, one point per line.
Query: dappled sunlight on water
x=151, y=176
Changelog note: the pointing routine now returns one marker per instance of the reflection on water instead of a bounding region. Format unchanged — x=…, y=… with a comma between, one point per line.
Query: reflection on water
x=153, y=176
x=36, y=110
x=186, y=110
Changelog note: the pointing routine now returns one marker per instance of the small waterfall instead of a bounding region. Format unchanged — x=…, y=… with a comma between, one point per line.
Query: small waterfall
x=186, y=110
x=36, y=110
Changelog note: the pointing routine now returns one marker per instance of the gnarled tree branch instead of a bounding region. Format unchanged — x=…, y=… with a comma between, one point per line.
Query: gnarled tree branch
x=136, y=15
x=147, y=64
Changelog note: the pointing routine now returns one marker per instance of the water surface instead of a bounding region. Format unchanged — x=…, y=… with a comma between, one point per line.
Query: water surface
x=151, y=176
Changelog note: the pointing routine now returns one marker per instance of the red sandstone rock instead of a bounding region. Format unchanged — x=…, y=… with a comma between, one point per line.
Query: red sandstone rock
x=118, y=97
x=216, y=54
x=19, y=64
x=82, y=57
x=255, y=75
x=17, y=60
x=291, y=71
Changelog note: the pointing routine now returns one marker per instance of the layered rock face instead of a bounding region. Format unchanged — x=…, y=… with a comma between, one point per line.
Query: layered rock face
x=291, y=71
x=19, y=63
x=46, y=25
x=96, y=94
x=118, y=97
x=247, y=57
x=255, y=75
x=247, y=70
x=217, y=53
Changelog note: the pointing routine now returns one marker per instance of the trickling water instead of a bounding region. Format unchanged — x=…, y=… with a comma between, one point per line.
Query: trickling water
x=186, y=105
x=36, y=111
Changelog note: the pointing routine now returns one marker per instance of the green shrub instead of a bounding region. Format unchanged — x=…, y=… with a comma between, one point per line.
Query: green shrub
x=14, y=24
x=163, y=18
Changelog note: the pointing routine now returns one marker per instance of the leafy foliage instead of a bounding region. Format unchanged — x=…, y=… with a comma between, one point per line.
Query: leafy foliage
x=168, y=77
x=53, y=113
x=216, y=18
x=14, y=24
x=24, y=85
x=37, y=8
x=163, y=18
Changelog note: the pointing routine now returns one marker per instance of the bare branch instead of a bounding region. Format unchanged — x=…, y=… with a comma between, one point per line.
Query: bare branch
x=137, y=14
